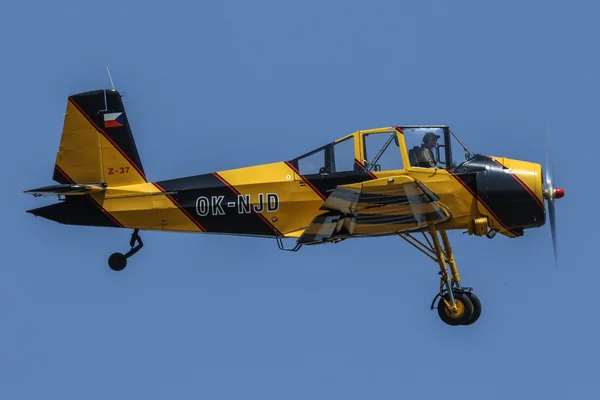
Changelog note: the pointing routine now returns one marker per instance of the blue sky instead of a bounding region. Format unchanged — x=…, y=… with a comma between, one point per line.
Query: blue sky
x=221, y=317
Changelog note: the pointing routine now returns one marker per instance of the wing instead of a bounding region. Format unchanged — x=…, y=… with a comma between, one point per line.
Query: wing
x=377, y=207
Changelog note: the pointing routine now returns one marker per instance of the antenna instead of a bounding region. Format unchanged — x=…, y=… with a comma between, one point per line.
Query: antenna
x=109, y=77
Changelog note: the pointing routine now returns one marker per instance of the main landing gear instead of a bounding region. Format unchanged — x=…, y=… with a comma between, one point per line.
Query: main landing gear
x=118, y=261
x=457, y=305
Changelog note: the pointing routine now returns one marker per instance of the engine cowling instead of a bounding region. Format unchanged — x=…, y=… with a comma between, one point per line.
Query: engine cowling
x=511, y=191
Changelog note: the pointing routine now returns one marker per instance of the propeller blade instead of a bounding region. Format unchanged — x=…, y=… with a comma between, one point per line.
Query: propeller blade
x=551, y=194
x=552, y=212
x=549, y=166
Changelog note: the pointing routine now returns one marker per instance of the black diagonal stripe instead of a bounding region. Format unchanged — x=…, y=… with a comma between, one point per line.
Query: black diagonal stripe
x=508, y=198
x=92, y=104
x=176, y=203
x=59, y=176
x=363, y=169
x=77, y=210
x=259, y=215
x=468, y=181
x=520, y=182
x=207, y=200
x=509, y=202
x=293, y=166
x=80, y=210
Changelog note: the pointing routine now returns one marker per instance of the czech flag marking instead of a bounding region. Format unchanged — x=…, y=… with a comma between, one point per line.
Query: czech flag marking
x=113, y=120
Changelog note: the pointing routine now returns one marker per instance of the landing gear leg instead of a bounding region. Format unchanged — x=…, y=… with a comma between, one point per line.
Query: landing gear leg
x=457, y=305
x=468, y=292
x=118, y=261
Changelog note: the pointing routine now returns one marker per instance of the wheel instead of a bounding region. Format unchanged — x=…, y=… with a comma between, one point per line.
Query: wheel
x=117, y=262
x=476, y=308
x=463, y=313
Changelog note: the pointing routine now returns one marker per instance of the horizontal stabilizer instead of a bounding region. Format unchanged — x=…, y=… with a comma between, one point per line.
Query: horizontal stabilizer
x=76, y=210
x=66, y=189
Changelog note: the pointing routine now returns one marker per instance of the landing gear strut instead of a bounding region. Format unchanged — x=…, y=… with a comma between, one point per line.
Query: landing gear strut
x=118, y=261
x=457, y=305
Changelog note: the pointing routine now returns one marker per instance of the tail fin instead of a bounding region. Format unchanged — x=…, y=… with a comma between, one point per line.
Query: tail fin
x=97, y=145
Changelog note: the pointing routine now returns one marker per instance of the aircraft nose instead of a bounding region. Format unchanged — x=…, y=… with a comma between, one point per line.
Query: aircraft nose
x=519, y=189
x=553, y=193
x=558, y=193
x=511, y=192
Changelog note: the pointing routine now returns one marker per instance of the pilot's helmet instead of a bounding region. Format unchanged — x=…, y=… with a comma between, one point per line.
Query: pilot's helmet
x=428, y=135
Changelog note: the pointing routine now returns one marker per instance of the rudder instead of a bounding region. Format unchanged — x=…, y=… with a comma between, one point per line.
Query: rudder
x=97, y=144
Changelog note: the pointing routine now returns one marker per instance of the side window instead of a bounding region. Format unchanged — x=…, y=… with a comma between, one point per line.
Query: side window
x=343, y=155
x=382, y=152
x=313, y=163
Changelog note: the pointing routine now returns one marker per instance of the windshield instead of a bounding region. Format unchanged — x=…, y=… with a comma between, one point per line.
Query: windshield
x=460, y=152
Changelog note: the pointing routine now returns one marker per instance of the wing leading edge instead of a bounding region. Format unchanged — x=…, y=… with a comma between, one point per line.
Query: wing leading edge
x=373, y=208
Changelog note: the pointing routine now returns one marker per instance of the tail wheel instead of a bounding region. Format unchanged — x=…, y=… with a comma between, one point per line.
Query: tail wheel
x=463, y=313
x=117, y=262
x=476, y=308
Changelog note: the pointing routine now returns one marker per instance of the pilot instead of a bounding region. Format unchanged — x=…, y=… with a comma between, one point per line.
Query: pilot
x=427, y=158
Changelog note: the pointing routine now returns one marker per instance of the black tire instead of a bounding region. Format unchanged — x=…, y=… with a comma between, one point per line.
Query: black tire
x=465, y=309
x=476, y=308
x=117, y=262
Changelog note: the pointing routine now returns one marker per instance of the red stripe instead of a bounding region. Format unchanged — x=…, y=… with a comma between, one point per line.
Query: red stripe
x=371, y=175
x=482, y=202
x=539, y=203
x=100, y=130
x=105, y=212
x=306, y=180
x=63, y=173
x=234, y=190
x=223, y=181
x=520, y=182
x=179, y=206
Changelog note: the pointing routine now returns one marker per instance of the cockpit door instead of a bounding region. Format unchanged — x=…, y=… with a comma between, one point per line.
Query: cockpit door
x=381, y=152
x=426, y=146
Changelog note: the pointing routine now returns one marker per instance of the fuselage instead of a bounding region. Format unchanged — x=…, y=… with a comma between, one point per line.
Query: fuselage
x=276, y=200
x=97, y=151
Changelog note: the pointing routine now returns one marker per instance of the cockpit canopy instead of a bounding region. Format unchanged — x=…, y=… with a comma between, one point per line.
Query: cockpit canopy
x=386, y=149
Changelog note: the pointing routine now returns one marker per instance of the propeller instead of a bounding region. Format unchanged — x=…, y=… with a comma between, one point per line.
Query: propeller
x=551, y=193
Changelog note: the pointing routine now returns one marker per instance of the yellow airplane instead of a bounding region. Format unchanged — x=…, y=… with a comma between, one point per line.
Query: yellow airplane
x=416, y=182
